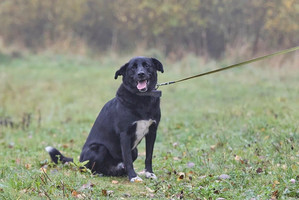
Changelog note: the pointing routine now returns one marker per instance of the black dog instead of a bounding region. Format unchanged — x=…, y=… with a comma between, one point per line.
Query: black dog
x=123, y=122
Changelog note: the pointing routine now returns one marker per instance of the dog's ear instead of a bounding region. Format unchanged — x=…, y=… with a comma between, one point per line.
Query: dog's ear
x=121, y=71
x=158, y=65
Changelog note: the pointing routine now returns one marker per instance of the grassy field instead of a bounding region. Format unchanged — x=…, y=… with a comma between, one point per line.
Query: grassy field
x=232, y=135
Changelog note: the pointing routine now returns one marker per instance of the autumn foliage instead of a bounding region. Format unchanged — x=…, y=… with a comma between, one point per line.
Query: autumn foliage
x=173, y=27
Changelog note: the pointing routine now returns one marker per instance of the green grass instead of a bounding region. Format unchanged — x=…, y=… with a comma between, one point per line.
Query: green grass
x=242, y=123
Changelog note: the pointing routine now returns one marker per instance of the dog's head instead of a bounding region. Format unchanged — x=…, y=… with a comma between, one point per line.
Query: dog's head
x=140, y=74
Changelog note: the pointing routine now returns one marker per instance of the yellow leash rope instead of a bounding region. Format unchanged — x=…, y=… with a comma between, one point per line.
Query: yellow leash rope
x=231, y=66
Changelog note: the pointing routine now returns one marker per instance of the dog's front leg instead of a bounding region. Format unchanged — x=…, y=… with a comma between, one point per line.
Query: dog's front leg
x=125, y=142
x=150, y=139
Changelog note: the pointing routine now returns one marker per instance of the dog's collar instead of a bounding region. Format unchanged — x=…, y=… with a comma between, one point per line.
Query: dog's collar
x=153, y=93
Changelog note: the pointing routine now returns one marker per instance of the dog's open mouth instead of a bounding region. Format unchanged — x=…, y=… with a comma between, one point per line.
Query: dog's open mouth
x=142, y=85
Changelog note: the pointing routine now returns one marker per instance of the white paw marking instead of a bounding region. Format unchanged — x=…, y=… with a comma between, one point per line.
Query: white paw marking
x=136, y=179
x=120, y=166
x=150, y=175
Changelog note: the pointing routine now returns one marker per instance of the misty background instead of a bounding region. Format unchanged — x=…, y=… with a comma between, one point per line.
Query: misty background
x=172, y=28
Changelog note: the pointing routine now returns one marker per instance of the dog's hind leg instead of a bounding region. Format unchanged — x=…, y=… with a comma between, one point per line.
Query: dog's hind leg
x=96, y=155
x=118, y=168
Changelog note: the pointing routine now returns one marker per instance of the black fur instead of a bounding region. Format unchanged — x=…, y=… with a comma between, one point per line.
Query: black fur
x=108, y=147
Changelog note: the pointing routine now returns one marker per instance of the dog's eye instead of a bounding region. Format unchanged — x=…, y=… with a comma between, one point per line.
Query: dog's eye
x=134, y=66
x=144, y=64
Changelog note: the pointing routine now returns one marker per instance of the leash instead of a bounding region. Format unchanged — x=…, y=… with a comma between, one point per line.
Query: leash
x=231, y=66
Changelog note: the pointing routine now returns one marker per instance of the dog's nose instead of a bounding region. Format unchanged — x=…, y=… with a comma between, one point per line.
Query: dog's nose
x=141, y=74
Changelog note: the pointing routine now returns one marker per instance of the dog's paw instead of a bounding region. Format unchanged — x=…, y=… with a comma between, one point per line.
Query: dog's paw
x=120, y=166
x=150, y=175
x=136, y=179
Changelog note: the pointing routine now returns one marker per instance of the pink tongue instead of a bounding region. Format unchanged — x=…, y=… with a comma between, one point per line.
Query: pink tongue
x=141, y=85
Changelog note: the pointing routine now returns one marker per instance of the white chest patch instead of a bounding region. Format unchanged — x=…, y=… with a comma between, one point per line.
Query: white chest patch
x=142, y=129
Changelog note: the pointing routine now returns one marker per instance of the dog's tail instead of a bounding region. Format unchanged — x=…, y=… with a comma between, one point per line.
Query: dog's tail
x=57, y=156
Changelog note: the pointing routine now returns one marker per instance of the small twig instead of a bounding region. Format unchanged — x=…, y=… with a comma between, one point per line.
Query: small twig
x=46, y=193
x=63, y=192
x=46, y=175
x=92, y=166
x=39, y=118
x=42, y=180
x=28, y=121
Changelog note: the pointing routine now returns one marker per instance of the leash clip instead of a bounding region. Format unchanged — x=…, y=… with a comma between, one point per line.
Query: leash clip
x=162, y=84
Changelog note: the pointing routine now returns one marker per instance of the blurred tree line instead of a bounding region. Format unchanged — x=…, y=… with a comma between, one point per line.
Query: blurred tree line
x=204, y=27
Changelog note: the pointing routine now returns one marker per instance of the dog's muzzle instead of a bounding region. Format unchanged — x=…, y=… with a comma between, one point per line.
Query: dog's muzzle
x=142, y=85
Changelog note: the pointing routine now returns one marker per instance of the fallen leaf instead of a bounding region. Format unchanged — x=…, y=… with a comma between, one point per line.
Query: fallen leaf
x=42, y=169
x=259, y=170
x=212, y=147
x=150, y=190
x=81, y=196
x=110, y=192
x=28, y=166
x=181, y=176
x=274, y=195
x=88, y=186
x=104, y=193
x=190, y=164
x=223, y=176
x=74, y=193
x=176, y=158
x=127, y=195
x=284, y=167
x=216, y=192
x=237, y=158
x=24, y=191
x=202, y=177
x=114, y=182
x=107, y=192
x=189, y=175
x=266, y=137
x=275, y=183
